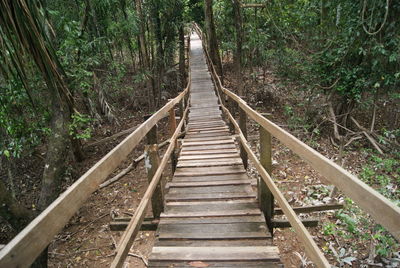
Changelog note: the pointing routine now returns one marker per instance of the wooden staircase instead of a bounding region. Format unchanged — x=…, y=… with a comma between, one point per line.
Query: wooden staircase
x=211, y=216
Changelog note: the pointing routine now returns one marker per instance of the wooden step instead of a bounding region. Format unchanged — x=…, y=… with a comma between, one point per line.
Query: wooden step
x=255, y=253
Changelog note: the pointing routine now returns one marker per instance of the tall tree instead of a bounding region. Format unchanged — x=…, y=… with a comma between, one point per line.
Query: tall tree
x=144, y=53
x=212, y=37
x=239, y=41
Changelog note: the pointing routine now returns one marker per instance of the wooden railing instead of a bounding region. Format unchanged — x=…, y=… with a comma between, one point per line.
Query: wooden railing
x=380, y=208
x=31, y=241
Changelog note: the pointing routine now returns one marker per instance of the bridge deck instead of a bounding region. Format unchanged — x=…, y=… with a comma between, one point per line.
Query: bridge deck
x=211, y=215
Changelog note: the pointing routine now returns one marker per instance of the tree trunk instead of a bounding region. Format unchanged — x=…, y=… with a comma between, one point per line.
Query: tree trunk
x=239, y=40
x=182, y=71
x=212, y=37
x=143, y=51
x=57, y=152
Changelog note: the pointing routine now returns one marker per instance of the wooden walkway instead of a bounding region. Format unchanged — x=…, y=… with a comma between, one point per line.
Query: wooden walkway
x=211, y=214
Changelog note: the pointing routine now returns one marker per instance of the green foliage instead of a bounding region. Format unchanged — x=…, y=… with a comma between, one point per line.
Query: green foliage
x=385, y=243
x=79, y=127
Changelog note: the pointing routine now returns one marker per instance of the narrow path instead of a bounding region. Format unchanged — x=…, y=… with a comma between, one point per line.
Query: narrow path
x=211, y=216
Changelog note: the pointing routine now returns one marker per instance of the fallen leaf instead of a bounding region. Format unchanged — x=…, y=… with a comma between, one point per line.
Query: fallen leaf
x=198, y=264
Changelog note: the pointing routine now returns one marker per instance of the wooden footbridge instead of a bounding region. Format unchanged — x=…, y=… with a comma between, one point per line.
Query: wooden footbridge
x=209, y=214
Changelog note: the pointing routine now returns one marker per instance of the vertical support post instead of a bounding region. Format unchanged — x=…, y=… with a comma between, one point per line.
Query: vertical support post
x=172, y=128
x=228, y=105
x=152, y=162
x=151, y=137
x=243, y=128
x=265, y=197
x=181, y=109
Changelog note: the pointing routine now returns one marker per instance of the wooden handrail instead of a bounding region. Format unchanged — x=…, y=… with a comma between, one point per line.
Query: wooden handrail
x=34, y=238
x=380, y=208
x=384, y=211
x=311, y=247
x=137, y=219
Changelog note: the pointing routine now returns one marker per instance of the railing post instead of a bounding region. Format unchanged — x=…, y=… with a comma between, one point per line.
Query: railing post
x=243, y=128
x=151, y=163
x=172, y=128
x=151, y=136
x=228, y=105
x=265, y=197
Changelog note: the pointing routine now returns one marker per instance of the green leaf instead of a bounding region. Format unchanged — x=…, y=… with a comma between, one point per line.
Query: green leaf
x=6, y=153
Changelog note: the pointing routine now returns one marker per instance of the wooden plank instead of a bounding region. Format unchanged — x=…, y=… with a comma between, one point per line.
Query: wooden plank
x=206, y=202
x=210, y=156
x=224, y=264
x=41, y=231
x=207, y=183
x=215, y=220
x=206, y=118
x=212, y=207
x=215, y=253
x=203, y=135
x=208, y=196
x=208, y=178
x=200, y=143
x=208, y=171
x=214, y=228
x=307, y=209
x=206, y=130
x=380, y=208
x=209, y=152
x=194, y=123
x=212, y=189
x=215, y=243
x=191, y=214
x=222, y=235
x=208, y=147
x=211, y=162
x=207, y=138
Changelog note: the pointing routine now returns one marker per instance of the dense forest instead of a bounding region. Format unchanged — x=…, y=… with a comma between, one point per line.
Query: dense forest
x=75, y=72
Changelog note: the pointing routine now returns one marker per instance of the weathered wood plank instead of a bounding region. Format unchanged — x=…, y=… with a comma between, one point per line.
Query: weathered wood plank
x=201, y=143
x=227, y=206
x=208, y=196
x=210, y=156
x=192, y=214
x=215, y=243
x=222, y=264
x=209, y=152
x=208, y=178
x=210, y=163
x=215, y=253
x=215, y=220
x=243, y=188
x=207, y=183
x=207, y=171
